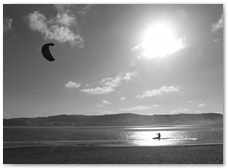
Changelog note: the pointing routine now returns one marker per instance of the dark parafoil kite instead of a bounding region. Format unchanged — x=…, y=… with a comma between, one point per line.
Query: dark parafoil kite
x=46, y=52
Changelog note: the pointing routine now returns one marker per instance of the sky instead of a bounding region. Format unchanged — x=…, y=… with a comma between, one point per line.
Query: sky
x=114, y=58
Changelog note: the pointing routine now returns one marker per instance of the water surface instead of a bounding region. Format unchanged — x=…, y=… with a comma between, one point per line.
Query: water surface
x=112, y=136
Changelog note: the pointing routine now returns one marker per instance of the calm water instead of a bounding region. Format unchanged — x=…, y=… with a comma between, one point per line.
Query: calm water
x=111, y=136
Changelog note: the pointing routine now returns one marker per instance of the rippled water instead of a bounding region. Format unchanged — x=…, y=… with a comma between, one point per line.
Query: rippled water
x=111, y=136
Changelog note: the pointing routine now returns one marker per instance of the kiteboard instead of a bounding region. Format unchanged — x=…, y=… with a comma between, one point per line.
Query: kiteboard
x=156, y=138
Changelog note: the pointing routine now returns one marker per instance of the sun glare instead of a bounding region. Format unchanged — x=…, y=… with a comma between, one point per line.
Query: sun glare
x=159, y=41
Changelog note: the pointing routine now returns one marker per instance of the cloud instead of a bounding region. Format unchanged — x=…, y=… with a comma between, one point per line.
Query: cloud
x=202, y=105
x=108, y=84
x=7, y=25
x=157, y=92
x=114, y=82
x=111, y=82
x=71, y=84
x=180, y=110
x=106, y=102
x=63, y=16
x=122, y=98
x=84, y=10
x=138, y=108
x=128, y=75
x=218, y=24
x=215, y=40
x=156, y=105
x=100, y=105
x=200, y=53
x=107, y=112
x=135, y=48
x=98, y=90
x=62, y=28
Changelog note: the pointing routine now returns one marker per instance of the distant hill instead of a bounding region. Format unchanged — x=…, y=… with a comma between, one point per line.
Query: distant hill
x=124, y=119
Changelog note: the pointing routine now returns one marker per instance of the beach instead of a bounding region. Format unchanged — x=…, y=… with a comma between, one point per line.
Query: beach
x=192, y=154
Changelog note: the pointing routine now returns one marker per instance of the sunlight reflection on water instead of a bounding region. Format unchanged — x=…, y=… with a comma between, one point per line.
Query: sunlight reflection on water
x=145, y=138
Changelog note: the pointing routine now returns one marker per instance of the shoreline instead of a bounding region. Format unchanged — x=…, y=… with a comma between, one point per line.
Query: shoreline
x=193, y=154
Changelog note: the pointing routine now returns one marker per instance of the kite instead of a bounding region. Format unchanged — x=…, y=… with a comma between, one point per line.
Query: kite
x=46, y=52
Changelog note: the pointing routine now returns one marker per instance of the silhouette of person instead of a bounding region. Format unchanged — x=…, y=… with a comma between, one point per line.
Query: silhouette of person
x=159, y=136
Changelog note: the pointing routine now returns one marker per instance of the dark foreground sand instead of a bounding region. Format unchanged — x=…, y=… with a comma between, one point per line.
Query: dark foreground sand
x=210, y=154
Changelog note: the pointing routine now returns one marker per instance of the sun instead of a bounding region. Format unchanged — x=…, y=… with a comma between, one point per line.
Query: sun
x=159, y=41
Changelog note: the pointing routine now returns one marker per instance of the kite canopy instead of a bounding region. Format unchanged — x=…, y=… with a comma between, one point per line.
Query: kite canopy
x=46, y=52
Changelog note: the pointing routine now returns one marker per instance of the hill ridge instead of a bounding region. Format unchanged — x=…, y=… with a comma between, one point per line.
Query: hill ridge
x=121, y=119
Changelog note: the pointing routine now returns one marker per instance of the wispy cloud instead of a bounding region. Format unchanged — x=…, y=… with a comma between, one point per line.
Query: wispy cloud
x=114, y=82
x=100, y=105
x=71, y=84
x=122, y=98
x=138, y=108
x=156, y=105
x=157, y=92
x=109, y=84
x=135, y=48
x=106, y=102
x=215, y=40
x=107, y=112
x=202, y=105
x=218, y=24
x=7, y=25
x=200, y=53
x=84, y=9
x=61, y=28
x=180, y=110
x=98, y=90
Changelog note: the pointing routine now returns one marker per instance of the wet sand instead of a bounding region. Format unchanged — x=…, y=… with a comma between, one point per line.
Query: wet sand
x=199, y=154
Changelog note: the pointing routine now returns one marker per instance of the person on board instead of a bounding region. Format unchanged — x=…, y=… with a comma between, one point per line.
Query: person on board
x=158, y=136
